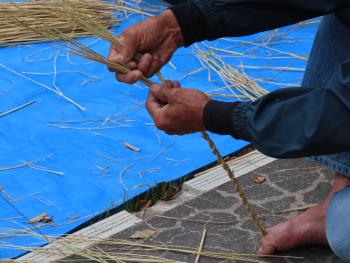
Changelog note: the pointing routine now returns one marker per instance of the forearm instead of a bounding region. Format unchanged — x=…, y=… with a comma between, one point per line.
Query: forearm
x=294, y=122
x=207, y=19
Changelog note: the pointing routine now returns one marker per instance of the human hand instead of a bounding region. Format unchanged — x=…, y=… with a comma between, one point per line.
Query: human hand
x=176, y=110
x=157, y=37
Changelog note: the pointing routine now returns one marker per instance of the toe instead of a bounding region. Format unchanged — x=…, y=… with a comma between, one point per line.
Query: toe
x=267, y=245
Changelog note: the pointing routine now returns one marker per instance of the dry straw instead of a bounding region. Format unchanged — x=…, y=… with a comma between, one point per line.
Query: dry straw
x=66, y=10
x=36, y=13
x=237, y=81
x=126, y=250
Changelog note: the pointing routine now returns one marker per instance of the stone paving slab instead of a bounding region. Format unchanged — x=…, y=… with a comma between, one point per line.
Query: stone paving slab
x=289, y=183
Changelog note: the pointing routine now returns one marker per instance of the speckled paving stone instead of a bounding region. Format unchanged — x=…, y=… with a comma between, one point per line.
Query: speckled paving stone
x=289, y=183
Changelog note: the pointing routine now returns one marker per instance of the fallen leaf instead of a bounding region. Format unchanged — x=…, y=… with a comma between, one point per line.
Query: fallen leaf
x=143, y=234
x=259, y=179
x=166, y=191
x=148, y=204
x=38, y=219
x=142, y=205
x=169, y=194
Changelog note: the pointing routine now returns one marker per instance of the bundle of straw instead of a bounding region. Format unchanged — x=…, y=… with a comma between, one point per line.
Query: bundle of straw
x=37, y=13
x=67, y=11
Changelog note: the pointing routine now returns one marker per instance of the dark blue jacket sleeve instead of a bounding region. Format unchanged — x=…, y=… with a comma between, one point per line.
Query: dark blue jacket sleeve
x=211, y=19
x=293, y=122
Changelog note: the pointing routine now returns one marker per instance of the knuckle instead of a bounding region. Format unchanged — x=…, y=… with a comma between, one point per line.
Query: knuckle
x=123, y=78
x=165, y=58
x=129, y=32
x=156, y=57
x=120, y=77
x=131, y=79
x=134, y=77
x=161, y=124
x=174, y=93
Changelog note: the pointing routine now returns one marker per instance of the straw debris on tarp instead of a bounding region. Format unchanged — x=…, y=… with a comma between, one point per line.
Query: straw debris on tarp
x=76, y=48
x=81, y=50
x=236, y=80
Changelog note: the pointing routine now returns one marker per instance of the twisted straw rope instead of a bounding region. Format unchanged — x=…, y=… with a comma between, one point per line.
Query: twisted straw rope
x=236, y=186
x=84, y=51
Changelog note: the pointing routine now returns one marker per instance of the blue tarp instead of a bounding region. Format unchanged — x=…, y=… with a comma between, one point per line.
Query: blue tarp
x=93, y=171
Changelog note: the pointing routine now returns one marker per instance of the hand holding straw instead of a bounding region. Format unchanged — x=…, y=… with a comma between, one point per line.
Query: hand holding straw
x=79, y=49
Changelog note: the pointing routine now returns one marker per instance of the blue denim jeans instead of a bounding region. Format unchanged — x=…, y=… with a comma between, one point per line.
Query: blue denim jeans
x=331, y=46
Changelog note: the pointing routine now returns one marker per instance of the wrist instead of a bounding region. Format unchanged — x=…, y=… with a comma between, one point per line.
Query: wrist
x=217, y=116
x=172, y=27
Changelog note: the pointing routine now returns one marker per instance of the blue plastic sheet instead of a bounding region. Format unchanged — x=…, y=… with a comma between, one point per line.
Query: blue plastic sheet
x=82, y=167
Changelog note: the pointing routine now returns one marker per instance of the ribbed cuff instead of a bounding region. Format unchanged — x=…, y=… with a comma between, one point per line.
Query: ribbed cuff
x=193, y=24
x=217, y=116
x=239, y=121
x=207, y=7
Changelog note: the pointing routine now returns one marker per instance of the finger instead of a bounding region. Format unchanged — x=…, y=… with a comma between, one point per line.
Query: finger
x=131, y=65
x=131, y=77
x=153, y=105
x=160, y=92
x=111, y=57
x=145, y=63
x=175, y=132
x=129, y=39
x=177, y=85
x=155, y=66
x=164, y=55
x=173, y=84
x=125, y=54
x=115, y=55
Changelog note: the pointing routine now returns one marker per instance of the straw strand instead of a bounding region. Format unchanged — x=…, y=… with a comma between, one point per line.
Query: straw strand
x=80, y=50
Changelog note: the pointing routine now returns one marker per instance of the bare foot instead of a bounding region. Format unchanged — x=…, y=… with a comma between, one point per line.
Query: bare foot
x=307, y=228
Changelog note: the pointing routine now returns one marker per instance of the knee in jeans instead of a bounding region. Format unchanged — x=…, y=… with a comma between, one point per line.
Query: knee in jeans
x=338, y=224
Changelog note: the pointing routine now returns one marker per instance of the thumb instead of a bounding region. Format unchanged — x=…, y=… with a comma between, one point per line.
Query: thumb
x=128, y=50
x=160, y=92
x=153, y=106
